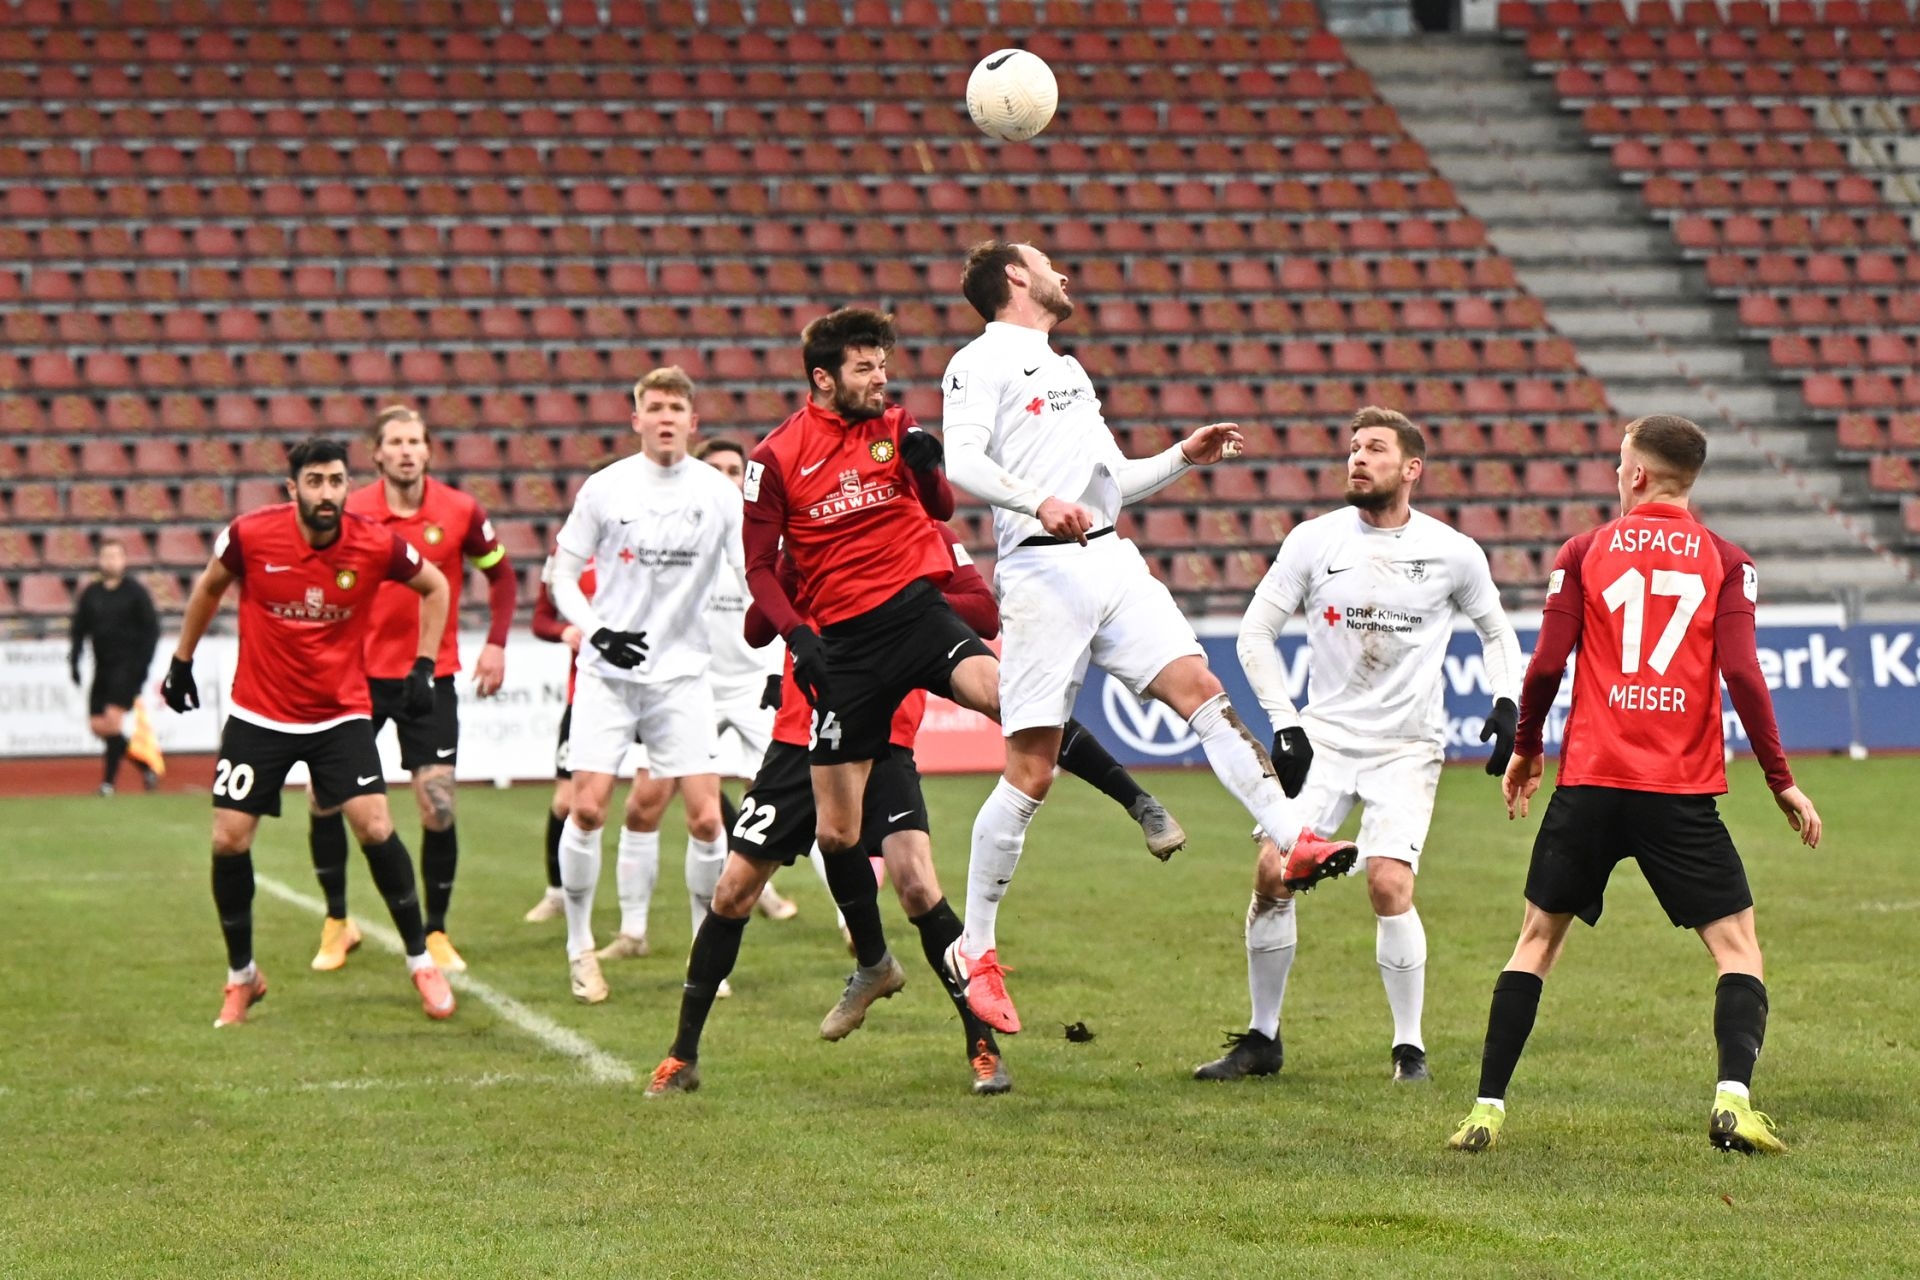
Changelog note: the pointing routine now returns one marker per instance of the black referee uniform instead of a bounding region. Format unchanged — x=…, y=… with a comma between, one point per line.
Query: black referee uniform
x=125, y=630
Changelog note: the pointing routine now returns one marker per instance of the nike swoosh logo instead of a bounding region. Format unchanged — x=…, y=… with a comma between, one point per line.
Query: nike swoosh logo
x=1342, y=569
x=807, y=471
x=956, y=648
x=1032, y=371
x=895, y=817
x=361, y=782
x=276, y=568
x=1001, y=61
x=443, y=754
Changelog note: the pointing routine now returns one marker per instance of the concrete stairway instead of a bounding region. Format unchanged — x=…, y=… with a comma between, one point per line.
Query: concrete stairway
x=1613, y=282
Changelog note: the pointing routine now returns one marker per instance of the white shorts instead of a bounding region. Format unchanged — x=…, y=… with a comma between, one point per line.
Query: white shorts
x=745, y=729
x=1396, y=784
x=1061, y=607
x=674, y=719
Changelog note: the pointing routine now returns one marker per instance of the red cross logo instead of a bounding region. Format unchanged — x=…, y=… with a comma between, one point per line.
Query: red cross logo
x=627, y=556
x=1035, y=405
x=1332, y=616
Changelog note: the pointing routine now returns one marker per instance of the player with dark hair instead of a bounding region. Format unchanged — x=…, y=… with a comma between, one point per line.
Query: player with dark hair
x=1661, y=609
x=116, y=614
x=309, y=573
x=1023, y=431
x=443, y=525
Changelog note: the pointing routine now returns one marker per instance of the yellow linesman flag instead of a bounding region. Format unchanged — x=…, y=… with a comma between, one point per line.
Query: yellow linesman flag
x=142, y=746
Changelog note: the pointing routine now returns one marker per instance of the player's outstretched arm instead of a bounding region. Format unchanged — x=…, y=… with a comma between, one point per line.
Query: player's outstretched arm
x=179, y=690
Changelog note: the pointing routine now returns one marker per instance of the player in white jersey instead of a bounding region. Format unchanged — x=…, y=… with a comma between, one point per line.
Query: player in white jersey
x=661, y=529
x=746, y=693
x=1023, y=430
x=1381, y=585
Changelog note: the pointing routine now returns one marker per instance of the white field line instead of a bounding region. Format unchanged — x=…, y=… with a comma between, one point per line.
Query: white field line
x=1891, y=907
x=601, y=1067
x=357, y=1084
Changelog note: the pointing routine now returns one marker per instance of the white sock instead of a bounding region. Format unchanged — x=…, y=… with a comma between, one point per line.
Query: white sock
x=1734, y=1087
x=635, y=872
x=1400, y=946
x=1272, y=932
x=705, y=859
x=820, y=869
x=1498, y=1104
x=416, y=963
x=237, y=976
x=1243, y=768
x=999, y=833
x=579, y=873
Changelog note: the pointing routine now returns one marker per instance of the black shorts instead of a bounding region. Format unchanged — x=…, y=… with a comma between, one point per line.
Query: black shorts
x=562, y=762
x=913, y=641
x=1683, y=849
x=114, y=686
x=342, y=761
x=776, y=822
x=433, y=738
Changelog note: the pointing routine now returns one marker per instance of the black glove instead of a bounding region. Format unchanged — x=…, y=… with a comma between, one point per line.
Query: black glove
x=178, y=689
x=921, y=451
x=1292, y=757
x=1502, y=722
x=809, y=662
x=624, y=649
x=74, y=667
x=416, y=691
x=771, y=697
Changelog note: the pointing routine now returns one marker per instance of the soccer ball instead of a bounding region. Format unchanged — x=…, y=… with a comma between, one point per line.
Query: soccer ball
x=1011, y=95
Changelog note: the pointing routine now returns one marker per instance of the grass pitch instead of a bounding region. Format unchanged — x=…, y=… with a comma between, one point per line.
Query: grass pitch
x=341, y=1133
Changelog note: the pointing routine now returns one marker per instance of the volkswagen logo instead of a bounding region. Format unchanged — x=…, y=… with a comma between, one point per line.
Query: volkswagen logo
x=1151, y=728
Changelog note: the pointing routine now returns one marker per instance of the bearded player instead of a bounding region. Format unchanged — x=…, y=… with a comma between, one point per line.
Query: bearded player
x=309, y=574
x=443, y=525
x=1661, y=609
x=1381, y=585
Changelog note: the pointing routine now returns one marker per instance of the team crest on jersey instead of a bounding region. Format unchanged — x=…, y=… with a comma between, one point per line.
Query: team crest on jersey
x=1416, y=570
x=345, y=579
x=434, y=535
x=316, y=598
x=881, y=450
x=850, y=482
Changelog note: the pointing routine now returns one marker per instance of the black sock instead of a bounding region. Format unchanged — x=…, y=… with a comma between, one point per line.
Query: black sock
x=116, y=751
x=439, y=856
x=393, y=875
x=327, y=843
x=556, y=823
x=1516, y=999
x=233, y=898
x=1082, y=756
x=850, y=878
x=715, y=948
x=729, y=813
x=1739, y=1024
x=938, y=929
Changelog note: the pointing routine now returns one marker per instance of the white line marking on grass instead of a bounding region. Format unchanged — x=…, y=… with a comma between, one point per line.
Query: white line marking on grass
x=1888, y=908
x=601, y=1066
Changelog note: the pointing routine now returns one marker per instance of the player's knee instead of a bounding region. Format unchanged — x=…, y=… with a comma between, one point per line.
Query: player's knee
x=227, y=844
x=1389, y=886
x=705, y=826
x=1030, y=776
x=834, y=838
x=372, y=829
x=917, y=887
x=589, y=814
x=737, y=891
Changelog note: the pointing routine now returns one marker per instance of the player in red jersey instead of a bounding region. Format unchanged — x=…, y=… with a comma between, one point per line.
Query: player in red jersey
x=309, y=573
x=1660, y=608
x=844, y=487
x=443, y=525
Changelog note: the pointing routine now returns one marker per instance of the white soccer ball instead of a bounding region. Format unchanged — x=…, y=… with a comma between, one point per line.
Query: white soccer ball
x=1011, y=95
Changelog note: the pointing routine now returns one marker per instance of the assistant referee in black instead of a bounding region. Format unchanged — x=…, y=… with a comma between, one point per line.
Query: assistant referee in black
x=117, y=615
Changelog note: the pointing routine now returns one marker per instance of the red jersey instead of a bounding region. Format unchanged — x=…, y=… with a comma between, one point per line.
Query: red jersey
x=449, y=524
x=549, y=625
x=1646, y=592
x=304, y=615
x=837, y=498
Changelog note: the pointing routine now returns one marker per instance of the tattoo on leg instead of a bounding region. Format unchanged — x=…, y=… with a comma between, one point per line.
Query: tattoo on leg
x=436, y=800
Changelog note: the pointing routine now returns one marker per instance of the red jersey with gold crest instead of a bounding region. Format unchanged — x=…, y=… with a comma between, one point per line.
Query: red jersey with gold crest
x=853, y=516
x=304, y=615
x=448, y=525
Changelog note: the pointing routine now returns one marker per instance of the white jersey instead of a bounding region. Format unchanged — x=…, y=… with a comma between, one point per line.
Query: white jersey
x=738, y=668
x=1380, y=606
x=659, y=538
x=1035, y=413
